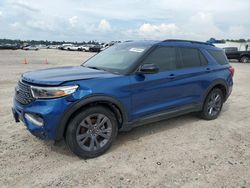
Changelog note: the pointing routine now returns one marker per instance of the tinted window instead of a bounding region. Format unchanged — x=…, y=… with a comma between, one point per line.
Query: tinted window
x=202, y=59
x=163, y=57
x=219, y=56
x=191, y=57
x=232, y=49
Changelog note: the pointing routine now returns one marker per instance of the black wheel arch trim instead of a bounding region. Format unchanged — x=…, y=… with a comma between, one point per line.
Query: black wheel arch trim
x=83, y=102
x=214, y=84
x=245, y=55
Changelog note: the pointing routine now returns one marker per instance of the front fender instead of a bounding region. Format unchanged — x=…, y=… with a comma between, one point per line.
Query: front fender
x=83, y=102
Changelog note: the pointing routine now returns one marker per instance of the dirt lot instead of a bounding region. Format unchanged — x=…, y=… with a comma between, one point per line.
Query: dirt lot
x=180, y=152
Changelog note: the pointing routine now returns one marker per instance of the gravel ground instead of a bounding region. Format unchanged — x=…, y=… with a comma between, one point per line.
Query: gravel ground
x=180, y=152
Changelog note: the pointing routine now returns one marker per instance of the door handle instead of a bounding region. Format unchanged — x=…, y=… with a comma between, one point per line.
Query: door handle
x=171, y=76
x=208, y=70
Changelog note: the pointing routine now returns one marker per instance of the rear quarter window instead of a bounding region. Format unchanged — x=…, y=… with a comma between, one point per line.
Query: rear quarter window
x=219, y=56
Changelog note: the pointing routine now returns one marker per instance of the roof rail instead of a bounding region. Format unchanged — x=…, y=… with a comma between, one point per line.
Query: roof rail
x=128, y=41
x=179, y=40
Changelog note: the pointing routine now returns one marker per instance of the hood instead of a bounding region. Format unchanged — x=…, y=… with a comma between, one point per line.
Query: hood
x=56, y=76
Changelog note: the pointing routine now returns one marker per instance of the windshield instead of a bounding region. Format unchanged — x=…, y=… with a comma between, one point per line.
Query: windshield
x=118, y=58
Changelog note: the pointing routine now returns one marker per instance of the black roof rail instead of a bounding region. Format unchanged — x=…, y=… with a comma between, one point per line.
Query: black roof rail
x=179, y=40
x=128, y=41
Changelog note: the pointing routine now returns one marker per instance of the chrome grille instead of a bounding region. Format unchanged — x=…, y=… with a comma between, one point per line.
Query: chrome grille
x=23, y=93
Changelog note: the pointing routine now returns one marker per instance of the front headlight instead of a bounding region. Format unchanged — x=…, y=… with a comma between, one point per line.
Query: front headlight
x=52, y=92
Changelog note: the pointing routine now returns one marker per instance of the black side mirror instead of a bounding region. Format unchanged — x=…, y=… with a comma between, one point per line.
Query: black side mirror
x=148, y=69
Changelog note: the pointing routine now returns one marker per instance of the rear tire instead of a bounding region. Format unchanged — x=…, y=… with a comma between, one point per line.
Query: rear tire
x=212, y=105
x=91, y=132
x=244, y=59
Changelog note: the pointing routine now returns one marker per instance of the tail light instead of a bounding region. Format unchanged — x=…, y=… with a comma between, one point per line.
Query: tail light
x=231, y=69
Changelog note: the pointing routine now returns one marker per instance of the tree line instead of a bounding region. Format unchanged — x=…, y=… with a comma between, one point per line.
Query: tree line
x=44, y=42
x=230, y=40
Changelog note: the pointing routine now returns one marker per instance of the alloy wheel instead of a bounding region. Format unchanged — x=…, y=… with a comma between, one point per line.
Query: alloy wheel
x=94, y=132
x=214, y=104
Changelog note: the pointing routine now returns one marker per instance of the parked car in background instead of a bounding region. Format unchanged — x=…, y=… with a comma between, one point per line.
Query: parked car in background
x=72, y=48
x=9, y=46
x=230, y=49
x=95, y=48
x=65, y=46
x=107, y=45
x=84, y=48
x=124, y=86
x=42, y=46
x=53, y=46
x=233, y=53
x=31, y=47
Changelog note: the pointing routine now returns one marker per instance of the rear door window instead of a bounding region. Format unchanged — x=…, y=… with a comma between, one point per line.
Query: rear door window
x=191, y=57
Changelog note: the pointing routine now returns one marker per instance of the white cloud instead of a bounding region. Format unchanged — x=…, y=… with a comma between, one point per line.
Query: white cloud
x=237, y=32
x=41, y=25
x=158, y=31
x=202, y=18
x=201, y=25
x=104, y=25
x=24, y=6
x=73, y=21
x=15, y=24
x=84, y=20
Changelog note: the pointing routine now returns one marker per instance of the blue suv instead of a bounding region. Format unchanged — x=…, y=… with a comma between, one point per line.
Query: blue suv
x=128, y=84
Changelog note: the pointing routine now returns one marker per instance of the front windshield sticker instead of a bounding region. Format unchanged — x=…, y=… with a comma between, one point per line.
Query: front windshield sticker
x=139, y=50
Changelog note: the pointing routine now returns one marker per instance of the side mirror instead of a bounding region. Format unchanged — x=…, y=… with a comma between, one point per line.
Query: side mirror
x=148, y=69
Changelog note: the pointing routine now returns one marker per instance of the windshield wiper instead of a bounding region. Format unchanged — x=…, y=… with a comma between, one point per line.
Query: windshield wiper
x=98, y=68
x=93, y=67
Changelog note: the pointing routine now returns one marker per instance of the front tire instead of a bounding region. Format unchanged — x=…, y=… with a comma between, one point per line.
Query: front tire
x=91, y=132
x=212, y=105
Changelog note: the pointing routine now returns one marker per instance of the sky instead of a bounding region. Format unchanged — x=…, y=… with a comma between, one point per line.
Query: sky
x=106, y=20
